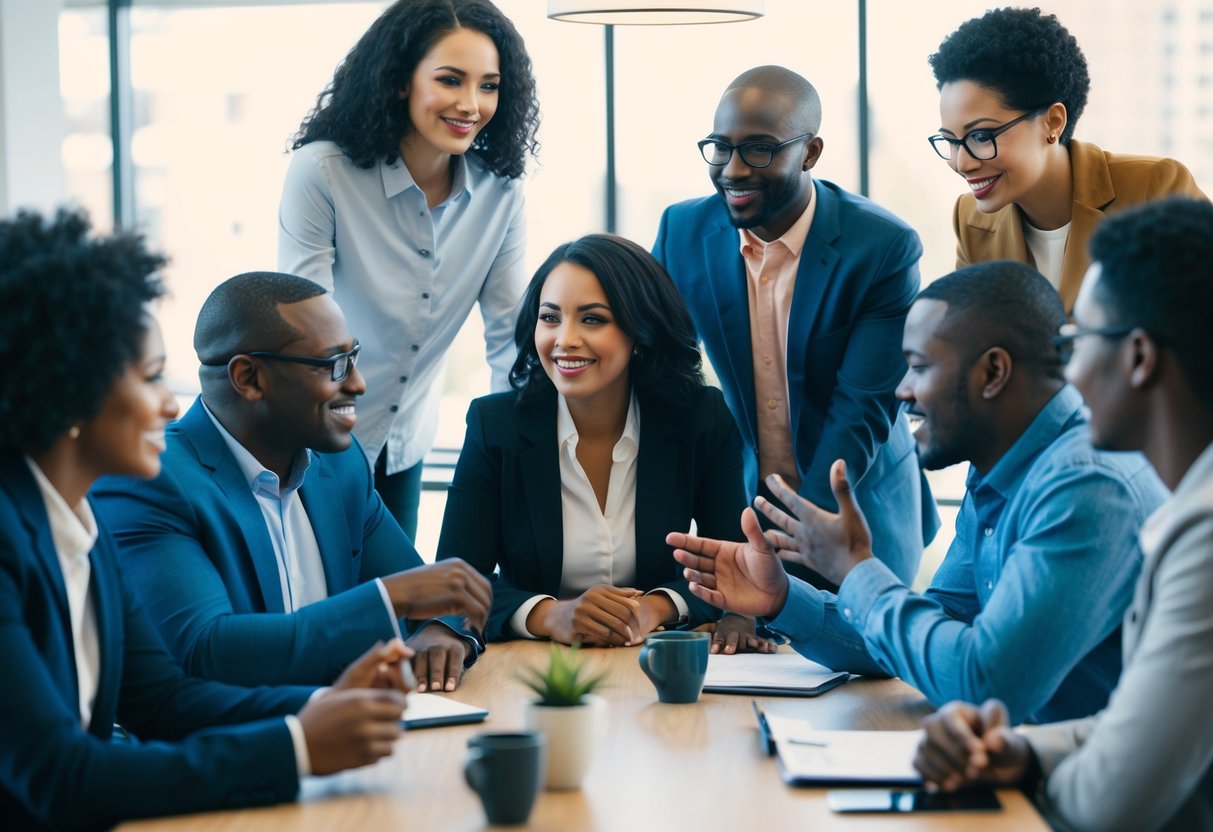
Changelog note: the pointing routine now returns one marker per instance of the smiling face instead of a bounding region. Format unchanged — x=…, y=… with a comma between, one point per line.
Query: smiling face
x=936, y=390
x=127, y=435
x=767, y=200
x=304, y=407
x=1022, y=150
x=582, y=349
x=453, y=93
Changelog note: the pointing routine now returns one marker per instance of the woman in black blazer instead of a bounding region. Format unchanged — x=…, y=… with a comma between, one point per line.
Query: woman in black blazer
x=568, y=484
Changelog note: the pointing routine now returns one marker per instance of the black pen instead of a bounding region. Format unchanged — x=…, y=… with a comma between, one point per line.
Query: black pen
x=765, y=740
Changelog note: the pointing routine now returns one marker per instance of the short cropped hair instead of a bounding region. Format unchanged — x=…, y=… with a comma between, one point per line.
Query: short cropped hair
x=666, y=368
x=72, y=319
x=1027, y=57
x=1001, y=303
x=1156, y=272
x=241, y=315
x=361, y=110
x=785, y=82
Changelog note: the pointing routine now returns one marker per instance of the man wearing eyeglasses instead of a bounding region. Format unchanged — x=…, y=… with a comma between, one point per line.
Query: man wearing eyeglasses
x=262, y=551
x=799, y=291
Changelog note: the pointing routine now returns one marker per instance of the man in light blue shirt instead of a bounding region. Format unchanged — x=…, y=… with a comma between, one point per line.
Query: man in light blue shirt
x=1028, y=601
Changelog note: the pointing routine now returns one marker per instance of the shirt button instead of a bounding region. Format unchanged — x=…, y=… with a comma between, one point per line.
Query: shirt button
x=394, y=408
x=415, y=347
x=425, y=295
x=764, y=280
x=424, y=252
x=989, y=584
x=989, y=531
x=403, y=379
x=766, y=359
x=846, y=613
x=771, y=404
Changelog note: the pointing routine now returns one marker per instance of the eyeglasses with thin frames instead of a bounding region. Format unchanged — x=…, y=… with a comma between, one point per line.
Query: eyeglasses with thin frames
x=339, y=365
x=980, y=143
x=756, y=154
x=1069, y=333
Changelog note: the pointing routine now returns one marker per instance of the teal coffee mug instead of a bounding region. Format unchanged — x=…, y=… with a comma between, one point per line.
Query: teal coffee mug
x=676, y=663
x=507, y=771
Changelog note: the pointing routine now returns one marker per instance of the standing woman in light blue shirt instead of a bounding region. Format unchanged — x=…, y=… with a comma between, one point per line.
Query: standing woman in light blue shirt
x=403, y=198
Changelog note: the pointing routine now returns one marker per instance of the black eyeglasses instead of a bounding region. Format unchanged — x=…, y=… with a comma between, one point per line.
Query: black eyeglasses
x=1069, y=333
x=979, y=143
x=339, y=365
x=754, y=154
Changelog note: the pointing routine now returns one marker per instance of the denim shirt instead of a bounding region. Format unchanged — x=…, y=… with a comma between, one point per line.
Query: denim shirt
x=1027, y=604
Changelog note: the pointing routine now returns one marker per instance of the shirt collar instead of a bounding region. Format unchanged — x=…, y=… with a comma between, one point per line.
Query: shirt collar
x=73, y=530
x=1053, y=419
x=261, y=480
x=397, y=179
x=793, y=238
x=629, y=441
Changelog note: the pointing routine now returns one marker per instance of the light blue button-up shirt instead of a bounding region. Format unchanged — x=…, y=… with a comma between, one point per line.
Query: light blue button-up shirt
x=406, y=278
x=1027, y=604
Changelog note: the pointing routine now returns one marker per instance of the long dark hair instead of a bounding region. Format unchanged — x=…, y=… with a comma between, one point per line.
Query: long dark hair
x=666, y=368
x=361, y=110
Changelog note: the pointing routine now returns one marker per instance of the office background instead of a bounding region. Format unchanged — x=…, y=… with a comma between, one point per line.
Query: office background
x=210, y=92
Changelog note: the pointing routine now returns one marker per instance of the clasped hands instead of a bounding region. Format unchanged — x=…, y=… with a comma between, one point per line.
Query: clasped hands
x=602, y=616
x=963, y=745
x=749, y=578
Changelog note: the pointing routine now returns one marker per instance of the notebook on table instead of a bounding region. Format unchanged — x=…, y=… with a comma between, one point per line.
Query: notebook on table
x=808, y=757
x=428, y=710
x=769, y=674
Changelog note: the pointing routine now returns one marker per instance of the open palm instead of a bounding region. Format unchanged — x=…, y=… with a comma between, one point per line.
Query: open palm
x=741, y=577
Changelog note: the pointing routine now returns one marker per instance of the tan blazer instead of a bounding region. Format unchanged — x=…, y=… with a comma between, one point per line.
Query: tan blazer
x=1103, y=183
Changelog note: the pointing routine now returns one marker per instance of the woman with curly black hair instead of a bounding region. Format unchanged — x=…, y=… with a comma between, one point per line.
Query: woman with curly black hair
x=568, y=485
x=83, y=395
x=404, y=199
x=1013, y=84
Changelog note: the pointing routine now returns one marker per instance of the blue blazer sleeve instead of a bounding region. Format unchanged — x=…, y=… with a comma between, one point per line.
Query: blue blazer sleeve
x=190, y=550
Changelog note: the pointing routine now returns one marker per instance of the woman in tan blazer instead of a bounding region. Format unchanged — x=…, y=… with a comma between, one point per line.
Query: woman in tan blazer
x=1012, y=86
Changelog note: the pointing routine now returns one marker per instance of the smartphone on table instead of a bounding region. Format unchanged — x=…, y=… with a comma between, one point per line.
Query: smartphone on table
x=885, y=800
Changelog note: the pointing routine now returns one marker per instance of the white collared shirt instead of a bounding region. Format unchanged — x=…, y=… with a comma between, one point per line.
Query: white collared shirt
x=599, y=545
x=74, y=533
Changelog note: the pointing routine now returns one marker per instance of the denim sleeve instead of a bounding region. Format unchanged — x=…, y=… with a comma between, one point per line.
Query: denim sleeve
x=1067, y=575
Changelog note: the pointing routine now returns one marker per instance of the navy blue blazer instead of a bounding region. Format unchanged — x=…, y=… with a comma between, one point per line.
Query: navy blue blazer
x=54, y=773
x=858, y=276
x=193, y=543
x=503, y=510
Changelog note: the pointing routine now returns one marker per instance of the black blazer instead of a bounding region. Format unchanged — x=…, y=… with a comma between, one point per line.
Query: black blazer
x=503, y=510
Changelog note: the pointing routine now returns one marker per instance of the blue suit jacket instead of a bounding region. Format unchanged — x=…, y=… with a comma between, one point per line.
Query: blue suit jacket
x=53, y=772
x=193, y=543
x=503, y=511
x=858, y=276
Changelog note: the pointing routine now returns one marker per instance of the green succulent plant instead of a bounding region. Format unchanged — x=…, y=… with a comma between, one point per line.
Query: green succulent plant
x=563, y=683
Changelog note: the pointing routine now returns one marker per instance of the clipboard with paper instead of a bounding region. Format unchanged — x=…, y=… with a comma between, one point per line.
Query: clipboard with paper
x=809, y=757
x=781, y=674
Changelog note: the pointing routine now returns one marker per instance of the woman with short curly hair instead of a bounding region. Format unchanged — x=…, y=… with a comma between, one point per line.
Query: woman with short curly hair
x=404, y=199
x=1012, y=86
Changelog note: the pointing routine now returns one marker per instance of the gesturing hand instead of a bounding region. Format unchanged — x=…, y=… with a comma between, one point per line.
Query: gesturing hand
x=449, y=587
x=962, y=745
x=603, y=615
x=831, y=544
x=380, y=667
x=351, y=728
x=741, y=577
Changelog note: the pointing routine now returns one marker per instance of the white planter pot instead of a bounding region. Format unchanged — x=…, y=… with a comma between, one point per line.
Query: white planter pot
x=573, y=736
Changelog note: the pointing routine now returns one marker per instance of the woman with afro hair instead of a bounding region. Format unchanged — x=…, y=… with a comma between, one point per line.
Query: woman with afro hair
x=403, y=198
x=1012, y=86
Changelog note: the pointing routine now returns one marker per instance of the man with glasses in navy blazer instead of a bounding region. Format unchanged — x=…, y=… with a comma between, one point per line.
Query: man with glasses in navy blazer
x=799, y=291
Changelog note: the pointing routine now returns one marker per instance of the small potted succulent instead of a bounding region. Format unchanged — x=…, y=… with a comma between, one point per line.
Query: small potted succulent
x=569, y=712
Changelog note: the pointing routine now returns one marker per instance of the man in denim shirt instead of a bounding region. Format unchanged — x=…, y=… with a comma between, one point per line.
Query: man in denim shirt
x=1028, y=601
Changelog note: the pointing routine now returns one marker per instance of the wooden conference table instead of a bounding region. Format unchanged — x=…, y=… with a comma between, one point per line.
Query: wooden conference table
x=692, y=767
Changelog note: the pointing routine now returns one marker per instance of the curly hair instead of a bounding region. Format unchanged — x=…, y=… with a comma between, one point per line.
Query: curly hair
x=1156, y=272
x=666, y=368
x=1029, y=58
x=72, y=319
x=361, y=110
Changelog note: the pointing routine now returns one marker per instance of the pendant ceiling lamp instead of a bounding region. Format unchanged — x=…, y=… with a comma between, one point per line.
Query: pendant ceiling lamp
x=660, y=13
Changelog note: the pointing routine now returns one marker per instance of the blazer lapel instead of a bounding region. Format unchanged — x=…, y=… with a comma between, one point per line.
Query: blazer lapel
x=538, y=458
x=1093, y=192
x=108, y=607
x=23, y=490
x=818, y=267
x=322, y=499
x=727, y=278
x=212, y=453
x=656, y=480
